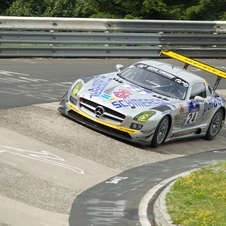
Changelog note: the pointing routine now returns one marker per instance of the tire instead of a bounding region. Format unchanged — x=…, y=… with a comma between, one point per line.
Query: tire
x=215, y=125
x=160, y=132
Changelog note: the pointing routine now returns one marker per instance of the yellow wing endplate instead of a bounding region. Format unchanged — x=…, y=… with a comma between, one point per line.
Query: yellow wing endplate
x=195, y=63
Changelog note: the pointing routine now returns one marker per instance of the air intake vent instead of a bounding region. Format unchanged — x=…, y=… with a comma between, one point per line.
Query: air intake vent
x=118, y=80
x=160, y=97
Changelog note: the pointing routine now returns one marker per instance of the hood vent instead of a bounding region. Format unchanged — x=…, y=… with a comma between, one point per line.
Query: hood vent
x=118, y=80
x=160, y=97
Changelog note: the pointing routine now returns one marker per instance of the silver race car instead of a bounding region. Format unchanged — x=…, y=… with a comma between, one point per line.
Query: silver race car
x=149, y=102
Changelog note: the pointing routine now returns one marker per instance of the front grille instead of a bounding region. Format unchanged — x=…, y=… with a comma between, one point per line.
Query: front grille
x=109, y=114
x=97, y=126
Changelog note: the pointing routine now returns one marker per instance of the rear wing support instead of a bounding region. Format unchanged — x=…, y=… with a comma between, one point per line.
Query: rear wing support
x=185, y=66
x=217, y=83
x=205, y=67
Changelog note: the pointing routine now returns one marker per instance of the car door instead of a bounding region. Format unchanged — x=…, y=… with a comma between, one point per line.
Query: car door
x=197, y=105
x=191, y=111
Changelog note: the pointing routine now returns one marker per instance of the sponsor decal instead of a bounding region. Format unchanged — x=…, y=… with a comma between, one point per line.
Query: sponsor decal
x=127, y=130
x=178, y=80
x=107, y=96
x=156, y=70
x=163, y=73
x=188, y=119
x=193, y=106
x=181, y=108
x=122, y=94
x=213, y=102
x=179, y=120
x=139, y=103
x=99, y=84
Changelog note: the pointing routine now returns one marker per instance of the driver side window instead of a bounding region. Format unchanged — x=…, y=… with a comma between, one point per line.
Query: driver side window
x=198, y=89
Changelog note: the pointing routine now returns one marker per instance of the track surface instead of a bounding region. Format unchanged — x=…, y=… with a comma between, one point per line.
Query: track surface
x=47, y=160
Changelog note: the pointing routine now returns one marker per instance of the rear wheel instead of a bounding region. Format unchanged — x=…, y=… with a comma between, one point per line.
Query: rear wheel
x=160, y=132
x=215, y=125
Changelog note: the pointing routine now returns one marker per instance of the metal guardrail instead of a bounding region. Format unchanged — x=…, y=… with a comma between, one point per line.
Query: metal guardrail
x=85, y=37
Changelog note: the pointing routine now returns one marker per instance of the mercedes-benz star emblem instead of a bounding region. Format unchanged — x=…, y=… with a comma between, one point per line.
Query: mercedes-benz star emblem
x=99, y=111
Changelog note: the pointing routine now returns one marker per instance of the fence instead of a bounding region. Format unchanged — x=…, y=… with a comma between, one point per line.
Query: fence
x=82, y=37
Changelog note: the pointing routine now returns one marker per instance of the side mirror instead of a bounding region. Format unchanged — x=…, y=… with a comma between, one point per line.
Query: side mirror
x=119, y=67
x=199, y=99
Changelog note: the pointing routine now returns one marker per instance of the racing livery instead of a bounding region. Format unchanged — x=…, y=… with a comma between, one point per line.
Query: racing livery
x=149, y=102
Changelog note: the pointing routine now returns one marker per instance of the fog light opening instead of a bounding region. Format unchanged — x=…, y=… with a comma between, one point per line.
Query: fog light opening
x=136, y=126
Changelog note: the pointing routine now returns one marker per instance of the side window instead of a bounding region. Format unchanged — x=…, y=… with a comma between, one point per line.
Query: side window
x=198, y=89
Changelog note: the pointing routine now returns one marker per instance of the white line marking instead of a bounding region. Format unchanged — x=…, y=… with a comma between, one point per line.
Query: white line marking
x=42, y=156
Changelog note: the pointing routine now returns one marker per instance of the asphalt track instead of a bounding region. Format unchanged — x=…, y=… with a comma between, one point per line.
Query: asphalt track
x=113, y=202
x=56, y=172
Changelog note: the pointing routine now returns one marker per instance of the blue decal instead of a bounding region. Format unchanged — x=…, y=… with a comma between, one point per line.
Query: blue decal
x=213, y=103
x=106, y=96
x=99, y=84
x=139, y=103
x=193, y=106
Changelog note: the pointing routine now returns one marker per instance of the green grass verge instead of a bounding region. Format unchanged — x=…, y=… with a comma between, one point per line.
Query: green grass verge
x=199, y=199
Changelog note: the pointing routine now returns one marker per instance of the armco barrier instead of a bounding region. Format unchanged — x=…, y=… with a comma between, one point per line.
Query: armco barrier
x=85, y=37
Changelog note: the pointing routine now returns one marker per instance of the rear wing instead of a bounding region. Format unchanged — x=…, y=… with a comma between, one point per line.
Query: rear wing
x=205, y=67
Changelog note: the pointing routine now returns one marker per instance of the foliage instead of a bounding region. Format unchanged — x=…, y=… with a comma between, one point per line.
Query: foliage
x=60, y=8
x=207, y=10
x=83, y=9
x=25, y=8
x=127, y=9
x=5, y=4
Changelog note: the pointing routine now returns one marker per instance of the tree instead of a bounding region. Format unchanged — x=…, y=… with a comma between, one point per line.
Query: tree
x=107, y=9
x=26, y=8
x=5, y=4
x=140, y=9
x=60, y=8
x=118, y=9
x=155, y=9
x=207, y=10
x=83, y=9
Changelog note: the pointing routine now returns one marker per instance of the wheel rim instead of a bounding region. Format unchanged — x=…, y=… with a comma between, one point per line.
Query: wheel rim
x=216, y=124
x=162, y=131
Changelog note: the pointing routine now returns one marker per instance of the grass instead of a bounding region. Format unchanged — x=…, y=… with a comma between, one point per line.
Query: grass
x=199, y=199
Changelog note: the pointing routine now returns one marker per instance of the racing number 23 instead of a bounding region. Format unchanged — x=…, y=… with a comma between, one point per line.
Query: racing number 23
x=191, y=118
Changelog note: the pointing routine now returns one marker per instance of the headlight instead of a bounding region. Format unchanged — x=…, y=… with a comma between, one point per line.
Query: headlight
x=144, y=116
x=77, y=88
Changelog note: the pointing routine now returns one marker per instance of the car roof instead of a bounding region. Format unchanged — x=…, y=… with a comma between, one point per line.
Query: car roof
x=181, y=73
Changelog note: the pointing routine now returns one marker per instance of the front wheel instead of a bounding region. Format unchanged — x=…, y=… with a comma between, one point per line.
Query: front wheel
x=215, y=125
x=160, y=132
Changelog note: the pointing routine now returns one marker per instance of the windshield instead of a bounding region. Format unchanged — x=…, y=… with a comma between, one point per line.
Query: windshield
x=156, y=80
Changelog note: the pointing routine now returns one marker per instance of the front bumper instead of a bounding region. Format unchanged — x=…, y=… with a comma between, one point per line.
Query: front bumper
x=126, y=134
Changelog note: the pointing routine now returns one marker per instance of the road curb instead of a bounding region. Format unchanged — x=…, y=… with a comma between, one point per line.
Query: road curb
x=161, y=216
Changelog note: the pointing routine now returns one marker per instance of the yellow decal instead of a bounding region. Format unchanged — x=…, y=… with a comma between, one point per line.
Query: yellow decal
x=131, y=131
x=71, y=106
x=195, y=63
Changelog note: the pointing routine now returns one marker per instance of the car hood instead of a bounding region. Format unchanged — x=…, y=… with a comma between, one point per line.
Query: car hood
x=115, y=92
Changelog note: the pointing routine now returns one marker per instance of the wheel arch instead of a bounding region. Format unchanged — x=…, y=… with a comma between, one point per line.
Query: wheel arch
x=155, y=143
x=224, y=112
x=171, y=124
